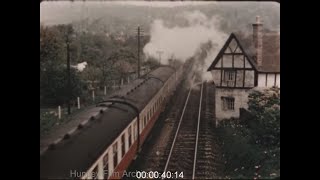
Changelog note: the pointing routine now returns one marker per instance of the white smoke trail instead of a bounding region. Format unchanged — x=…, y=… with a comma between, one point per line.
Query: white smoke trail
x=184, y=42
x=80, y=67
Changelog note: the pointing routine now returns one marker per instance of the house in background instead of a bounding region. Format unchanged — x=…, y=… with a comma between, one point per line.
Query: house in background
x=243, y=63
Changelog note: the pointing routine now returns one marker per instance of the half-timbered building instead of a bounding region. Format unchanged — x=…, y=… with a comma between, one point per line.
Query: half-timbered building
x=243, y=63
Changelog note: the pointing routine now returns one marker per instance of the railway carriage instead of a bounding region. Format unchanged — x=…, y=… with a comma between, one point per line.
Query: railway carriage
x=104, y=147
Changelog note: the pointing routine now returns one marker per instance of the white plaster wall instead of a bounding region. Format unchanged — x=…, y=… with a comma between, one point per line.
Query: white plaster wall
x=270, y=80
x=241, y=99
x=238, y=61
x=249, y=81
x=278, y=80
x=227, y=60
x=261, y=80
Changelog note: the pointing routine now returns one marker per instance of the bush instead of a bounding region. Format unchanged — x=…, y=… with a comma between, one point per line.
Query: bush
x=265, y=108
x=252, y=148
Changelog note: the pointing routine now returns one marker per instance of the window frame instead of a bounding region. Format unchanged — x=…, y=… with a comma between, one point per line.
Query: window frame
x=115, y=154
x=229, y=73
x=129, y=136
x=123, y=145
x=228, y=103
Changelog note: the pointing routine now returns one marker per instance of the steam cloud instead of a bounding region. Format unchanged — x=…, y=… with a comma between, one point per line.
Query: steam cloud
x=184, y=42
x=80, y=67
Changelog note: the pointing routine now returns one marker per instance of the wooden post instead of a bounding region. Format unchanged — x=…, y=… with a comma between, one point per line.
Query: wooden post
x=114, y=84
x=93, y=95
x=78, y=100
x=105, y=90
x=128, y=80
x=121, y=82
x=59, y=112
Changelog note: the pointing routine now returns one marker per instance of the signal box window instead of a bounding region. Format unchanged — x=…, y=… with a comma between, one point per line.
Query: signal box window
x=228, y=103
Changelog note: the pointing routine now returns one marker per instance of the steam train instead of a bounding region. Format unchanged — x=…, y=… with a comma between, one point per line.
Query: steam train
x=105, y=147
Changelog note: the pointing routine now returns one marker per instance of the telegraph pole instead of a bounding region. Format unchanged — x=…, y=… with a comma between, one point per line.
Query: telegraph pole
x=68, y=75
x=138, y=51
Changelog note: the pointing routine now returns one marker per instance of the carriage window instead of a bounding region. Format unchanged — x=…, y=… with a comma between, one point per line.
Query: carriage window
x=123, y=147
x=106, y=164
x=145, y=122
x=115, y=155
x=129, y=136
x=95, y=173
x=135, y=130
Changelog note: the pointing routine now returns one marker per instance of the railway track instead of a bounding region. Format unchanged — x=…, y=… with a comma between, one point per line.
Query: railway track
x=210, y=160
x=183, y=150
x=194, y=150
x=185, y=143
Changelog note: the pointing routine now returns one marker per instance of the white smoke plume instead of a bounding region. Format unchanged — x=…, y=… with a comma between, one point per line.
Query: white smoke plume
x=80, y=67
x=184, y=42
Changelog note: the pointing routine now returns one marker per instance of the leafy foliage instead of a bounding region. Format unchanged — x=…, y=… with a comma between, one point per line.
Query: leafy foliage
x=252, y=146
x=108, y=56
x=53, y=60
x=265, y=107
x=53, y=85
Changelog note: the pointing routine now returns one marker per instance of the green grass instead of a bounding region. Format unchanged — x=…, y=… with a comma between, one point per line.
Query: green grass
x=48, y=119
x=49, y=116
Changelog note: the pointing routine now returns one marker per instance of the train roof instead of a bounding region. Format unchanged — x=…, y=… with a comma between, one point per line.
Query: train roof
x=82, y=149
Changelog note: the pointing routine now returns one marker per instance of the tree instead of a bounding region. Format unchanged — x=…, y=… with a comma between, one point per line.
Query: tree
x=265, y=108
x=52, y=47
x=53, y=60
x=120, y=63
x=91, y=74
x=53, y=86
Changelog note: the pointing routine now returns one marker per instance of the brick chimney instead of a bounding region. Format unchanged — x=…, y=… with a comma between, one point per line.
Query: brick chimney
x=257, y=40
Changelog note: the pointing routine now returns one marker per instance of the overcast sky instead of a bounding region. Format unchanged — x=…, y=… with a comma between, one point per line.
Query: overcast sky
x=176, y=28
x=241, y=13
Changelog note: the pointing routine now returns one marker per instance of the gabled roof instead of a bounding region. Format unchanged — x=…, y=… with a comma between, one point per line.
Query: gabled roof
x=233, y=36
x=270, y=51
